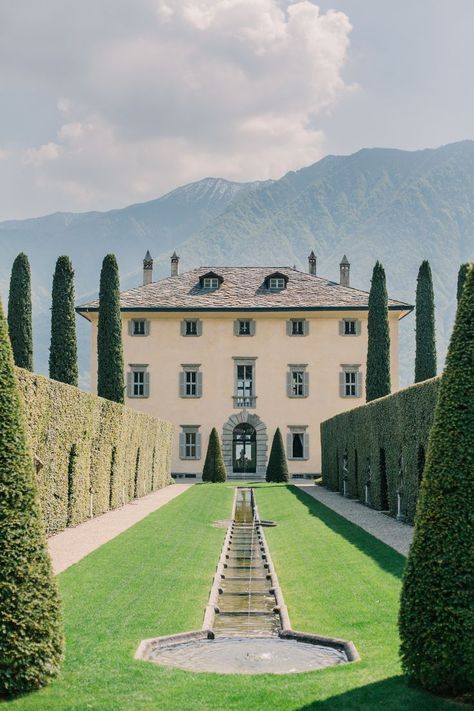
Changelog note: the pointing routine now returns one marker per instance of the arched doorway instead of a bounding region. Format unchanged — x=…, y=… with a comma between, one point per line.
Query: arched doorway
x=244, y=449
x=258, y=447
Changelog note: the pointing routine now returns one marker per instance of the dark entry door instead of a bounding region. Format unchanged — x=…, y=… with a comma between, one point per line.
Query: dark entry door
x=244, y=450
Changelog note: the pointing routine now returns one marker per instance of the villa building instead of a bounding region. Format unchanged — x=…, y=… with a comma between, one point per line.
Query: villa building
x=245, y=350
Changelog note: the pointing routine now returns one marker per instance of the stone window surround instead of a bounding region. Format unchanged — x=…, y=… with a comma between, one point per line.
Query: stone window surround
x=192, y=429
x=295, y=367
x=186, y=368
x=138, y=368
x=297, y=429
x=248, y=360
x=131, y=327
x=342, y=327
x=350, y=368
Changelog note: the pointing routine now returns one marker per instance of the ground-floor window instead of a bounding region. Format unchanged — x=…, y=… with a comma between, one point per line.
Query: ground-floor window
x=298, y=442
x=190, y=442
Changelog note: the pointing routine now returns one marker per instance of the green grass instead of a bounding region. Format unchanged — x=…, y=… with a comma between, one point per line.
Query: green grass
x=154, y=579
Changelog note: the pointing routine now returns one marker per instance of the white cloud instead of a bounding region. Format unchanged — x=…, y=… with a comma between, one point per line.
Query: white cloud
x=174, y=91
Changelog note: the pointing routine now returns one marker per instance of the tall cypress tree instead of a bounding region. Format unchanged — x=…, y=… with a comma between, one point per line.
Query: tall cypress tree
x=31, y=639
x=377, y=382
x=214, y=467
x=63, y=348
x=436, y=614
x=277, y=468
x=425, y=358
x=461, y=279
x=110, y=373
x=19, y=313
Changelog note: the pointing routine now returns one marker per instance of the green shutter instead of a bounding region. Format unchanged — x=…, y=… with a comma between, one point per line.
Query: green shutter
x=130, y=327
x=342, y=384
x=342, y=324
x=198, y=384
x=306, y=384
x=182, y=384
x=289, y=383
x=236, y=327
x=358, y=327
x=130, y=383
x=183, y=328
x=147, y=327
x=305, y=327
x=252, y=327
x=198, y=445
x=182, y=446
x=289, y=445
x=359, y=384
x=199, y=327
x=289, y=328
x=306, y=445
x=146, y=384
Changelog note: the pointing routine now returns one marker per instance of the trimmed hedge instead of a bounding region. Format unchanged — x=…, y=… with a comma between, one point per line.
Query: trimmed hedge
x=381, y=445
x=92, y=454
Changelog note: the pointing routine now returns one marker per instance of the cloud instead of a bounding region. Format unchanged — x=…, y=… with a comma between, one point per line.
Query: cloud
x=171, y=92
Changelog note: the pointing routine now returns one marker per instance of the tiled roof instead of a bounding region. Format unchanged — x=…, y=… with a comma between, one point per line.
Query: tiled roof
x=243, y=288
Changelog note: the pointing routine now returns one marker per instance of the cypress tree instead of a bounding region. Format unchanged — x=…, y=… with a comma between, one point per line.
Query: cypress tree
x=63, y=349
x=277, y=468
x=425, y=358
x=436, y=615
x=31, y=640
x=214, y=467
x=19, y=313
x=110, y=374
x=377, y=382
x=461, y=279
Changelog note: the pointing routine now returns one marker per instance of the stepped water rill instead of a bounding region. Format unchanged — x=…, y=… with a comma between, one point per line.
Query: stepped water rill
x=246, y=627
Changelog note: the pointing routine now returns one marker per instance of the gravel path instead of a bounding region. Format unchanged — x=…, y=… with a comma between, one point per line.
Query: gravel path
x=395, y=534
x=71, y=545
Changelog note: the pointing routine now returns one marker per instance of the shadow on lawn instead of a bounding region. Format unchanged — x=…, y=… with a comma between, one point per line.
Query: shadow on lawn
x=394, y=694
x=387, y=558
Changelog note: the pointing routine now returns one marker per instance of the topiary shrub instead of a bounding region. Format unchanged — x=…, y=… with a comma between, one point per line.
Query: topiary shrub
x=110, y=373
x=377, y=380
x=31, y=638
x=19, y=313
x=63, y=348
x=214, y=467
x=436, y=618
x=461, y=279
x=425, y=357
x=277, y=468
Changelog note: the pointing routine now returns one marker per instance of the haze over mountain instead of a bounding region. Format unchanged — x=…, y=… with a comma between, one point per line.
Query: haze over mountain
x=396, y=206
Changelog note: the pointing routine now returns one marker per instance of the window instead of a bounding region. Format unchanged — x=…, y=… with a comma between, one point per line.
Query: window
x=244, y=395
x=190, y=381
x=190, y=442
x=210, y=283
x=191, y=327
x=297, y=381
x=138, y=381
x=277, y=283
x=245, y=327
x=138, y=327
x=350, y=381
x=349, y=327
x=298, y=442
x=297, y=327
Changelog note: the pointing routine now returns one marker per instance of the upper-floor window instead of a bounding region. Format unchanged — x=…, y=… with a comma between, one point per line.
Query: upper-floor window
x=191, y=327
x=297, y=381
x=350, y=381
x=349, y=327
x=138, y=381
x=138, y=327
x=244, y=327
x=297, y=446
x=190, y=381
x=297, y=327
x=244, y=393
x=190, y=442
x=210, y=283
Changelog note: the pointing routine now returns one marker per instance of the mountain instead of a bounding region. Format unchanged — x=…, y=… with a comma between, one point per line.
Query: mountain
x=396, y=206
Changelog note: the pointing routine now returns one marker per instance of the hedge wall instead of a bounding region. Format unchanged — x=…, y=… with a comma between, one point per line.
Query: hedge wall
x=377, y=451
x=95, y=454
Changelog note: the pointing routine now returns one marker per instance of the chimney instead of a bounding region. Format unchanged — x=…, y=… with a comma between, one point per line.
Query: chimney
x=174, y=264
x=312, y=263
x=147, y=269
x=345, y=272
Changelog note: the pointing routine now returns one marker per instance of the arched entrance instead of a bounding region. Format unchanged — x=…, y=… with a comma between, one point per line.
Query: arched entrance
x=244, y=449
x=251, y=442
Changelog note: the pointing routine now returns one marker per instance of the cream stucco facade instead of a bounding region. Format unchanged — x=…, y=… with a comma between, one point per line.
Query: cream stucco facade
x=322, y=353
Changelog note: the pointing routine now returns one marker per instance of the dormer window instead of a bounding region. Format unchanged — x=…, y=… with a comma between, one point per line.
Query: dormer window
x=276, y=281
x=210, y=281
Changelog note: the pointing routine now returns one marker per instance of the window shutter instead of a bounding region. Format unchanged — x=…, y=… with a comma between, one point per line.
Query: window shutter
x=236, y=327
x=358, y=327
x=306, y=383
x=183, y=328
x=198, y=445
x=305, y=327
x=359, y=384
x=289, y=383
x=147, y=327
x=306, y=445
x=342, y=384
x=182, y=446
x=130, y=383
x=341, y=327
x=146, y=384
x=289, y=327
x=199, y=327
x=289, y=445
x=252, y=328
x=198, y=384
x=182, y=384
x=130, y=327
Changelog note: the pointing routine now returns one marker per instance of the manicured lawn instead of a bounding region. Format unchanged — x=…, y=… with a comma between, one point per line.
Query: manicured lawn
x=154, y=579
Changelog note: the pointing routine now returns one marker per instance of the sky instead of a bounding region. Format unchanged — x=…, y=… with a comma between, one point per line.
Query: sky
x=104, y=103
